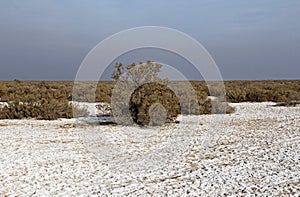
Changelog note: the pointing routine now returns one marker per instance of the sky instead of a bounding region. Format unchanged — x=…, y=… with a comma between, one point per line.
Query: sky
x=48, y=39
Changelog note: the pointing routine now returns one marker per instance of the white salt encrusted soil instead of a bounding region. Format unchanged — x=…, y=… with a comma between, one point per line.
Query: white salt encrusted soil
x=256, y=152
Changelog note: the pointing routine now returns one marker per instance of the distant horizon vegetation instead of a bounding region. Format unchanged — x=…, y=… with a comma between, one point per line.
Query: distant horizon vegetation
x=49, y=99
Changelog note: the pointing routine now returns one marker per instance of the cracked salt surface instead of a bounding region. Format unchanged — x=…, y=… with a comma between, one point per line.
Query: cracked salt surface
x=256, y=152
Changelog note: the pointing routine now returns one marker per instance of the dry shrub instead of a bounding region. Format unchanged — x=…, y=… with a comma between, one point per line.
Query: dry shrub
x=162, y=103
x=215, y=107
x=144, y=103
x=288, y=104
x=259, y=91
x=50, y=110
x=55, y=95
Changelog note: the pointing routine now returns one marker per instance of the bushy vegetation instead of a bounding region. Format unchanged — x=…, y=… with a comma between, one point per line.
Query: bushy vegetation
x=260, y=91
x=144, y=103
x=138, y=88
x=50, y=99
x=37, y=99
x=46, y=111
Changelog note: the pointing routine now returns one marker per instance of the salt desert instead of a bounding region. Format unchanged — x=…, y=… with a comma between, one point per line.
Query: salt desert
x=256, y=152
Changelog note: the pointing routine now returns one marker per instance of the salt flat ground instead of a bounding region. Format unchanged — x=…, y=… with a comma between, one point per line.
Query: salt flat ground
x=257, y=151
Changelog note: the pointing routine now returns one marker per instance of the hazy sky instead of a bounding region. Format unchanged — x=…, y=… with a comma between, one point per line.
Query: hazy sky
x=48, y=39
